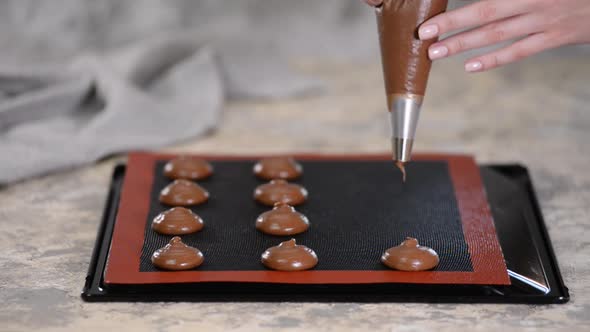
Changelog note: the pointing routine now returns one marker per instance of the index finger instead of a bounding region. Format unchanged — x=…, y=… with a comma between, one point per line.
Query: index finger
x=478, y=13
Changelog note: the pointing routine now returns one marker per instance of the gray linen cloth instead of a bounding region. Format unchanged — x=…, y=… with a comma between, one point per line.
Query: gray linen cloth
x=146, y=96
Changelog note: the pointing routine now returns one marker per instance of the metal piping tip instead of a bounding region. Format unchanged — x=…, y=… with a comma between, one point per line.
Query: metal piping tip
x=402, y=149
x=404, y=113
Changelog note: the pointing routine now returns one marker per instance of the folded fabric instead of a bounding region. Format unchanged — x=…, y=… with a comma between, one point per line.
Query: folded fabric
x=145, y=96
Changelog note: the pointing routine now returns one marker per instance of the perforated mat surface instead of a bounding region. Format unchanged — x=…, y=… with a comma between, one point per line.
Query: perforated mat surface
x=357, y=210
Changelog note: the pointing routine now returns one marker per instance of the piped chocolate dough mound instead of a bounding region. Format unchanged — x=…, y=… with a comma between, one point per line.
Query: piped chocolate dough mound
x=285, y=168
x=288, y=256
x=282, y=220
x=177, y=256
x=177, y=221
x=189, y=168
x=183, y=193
x=280, y=191
x=410, y=256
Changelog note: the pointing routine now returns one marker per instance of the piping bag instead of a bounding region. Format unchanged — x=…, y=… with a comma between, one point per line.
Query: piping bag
x=406, y=67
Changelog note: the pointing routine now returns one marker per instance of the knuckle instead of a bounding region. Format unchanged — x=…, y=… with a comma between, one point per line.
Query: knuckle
x=561, y=37
x=492, y=61
x=519, y=53
x=486, y=11
x=554, y=38
x=535, y=5
x=495, y=33
x=448, y=23
x=458, y=45
x=551, y=3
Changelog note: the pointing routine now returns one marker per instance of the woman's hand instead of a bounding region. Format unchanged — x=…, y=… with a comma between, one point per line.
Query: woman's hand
x=537, y=24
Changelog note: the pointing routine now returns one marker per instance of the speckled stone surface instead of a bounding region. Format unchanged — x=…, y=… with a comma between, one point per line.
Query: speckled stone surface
x=535, y=113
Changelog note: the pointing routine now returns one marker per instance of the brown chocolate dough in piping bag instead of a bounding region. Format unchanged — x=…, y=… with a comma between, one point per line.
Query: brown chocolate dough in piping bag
x=406, y=66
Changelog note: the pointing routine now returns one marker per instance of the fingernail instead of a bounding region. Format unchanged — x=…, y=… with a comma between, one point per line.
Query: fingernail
x=428, y=31
x=437, y=52
x=473, y=66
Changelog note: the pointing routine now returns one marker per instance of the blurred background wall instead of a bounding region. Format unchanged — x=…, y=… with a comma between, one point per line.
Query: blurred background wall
x=41, y=30
x=50, y=30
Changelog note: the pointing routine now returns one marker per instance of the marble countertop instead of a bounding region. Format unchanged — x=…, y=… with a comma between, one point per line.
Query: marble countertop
x=535, y=113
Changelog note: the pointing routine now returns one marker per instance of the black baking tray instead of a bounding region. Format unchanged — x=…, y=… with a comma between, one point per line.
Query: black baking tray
x=534, y=273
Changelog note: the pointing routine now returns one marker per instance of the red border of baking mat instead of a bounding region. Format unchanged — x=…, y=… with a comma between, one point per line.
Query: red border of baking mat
x=489, y=267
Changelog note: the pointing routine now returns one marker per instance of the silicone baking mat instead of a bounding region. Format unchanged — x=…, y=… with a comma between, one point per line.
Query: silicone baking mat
x=357, y=209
